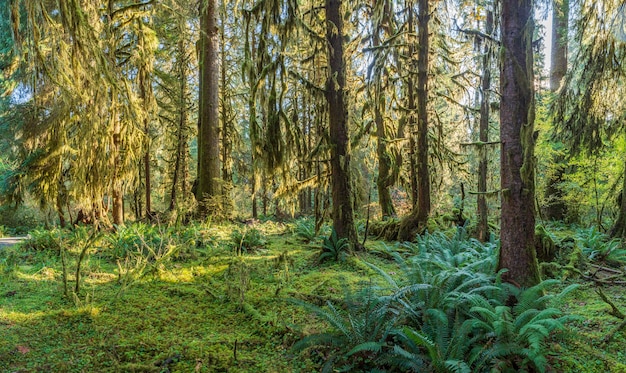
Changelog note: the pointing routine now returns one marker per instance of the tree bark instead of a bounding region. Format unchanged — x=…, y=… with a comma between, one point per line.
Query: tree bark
x=342, y=211
x=619, y=227
x=180, y=163
x=418, y=218
x=208, y=121
x=556, y=208
x=118, y=195
x=517, y=163
x=485, y=85
x=384, y=180
x=227, y=144
x=558, y=63
x=143, y=95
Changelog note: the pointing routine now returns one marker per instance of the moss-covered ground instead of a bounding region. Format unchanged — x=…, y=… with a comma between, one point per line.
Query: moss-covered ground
x=211, y=310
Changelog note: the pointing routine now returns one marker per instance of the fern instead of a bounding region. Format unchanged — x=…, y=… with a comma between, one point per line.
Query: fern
x=305, y=229
x=334, y=248
x=515, y=335
x=357, y=338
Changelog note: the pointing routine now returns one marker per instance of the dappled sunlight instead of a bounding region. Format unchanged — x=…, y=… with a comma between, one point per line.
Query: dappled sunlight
x=100, y=278
x=44, y=274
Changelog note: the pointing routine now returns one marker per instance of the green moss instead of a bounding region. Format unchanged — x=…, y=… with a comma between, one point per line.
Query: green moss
x=192, y=308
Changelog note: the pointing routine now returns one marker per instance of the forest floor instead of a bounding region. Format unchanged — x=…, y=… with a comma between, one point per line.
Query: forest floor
x=211, y=310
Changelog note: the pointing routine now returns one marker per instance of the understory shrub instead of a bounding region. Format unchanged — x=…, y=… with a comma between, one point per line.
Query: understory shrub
x=446, y=312
x=247, y=240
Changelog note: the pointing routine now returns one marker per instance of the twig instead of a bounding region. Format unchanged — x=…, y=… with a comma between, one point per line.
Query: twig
x=603, y=282
x=607, y=269
x=614, y=310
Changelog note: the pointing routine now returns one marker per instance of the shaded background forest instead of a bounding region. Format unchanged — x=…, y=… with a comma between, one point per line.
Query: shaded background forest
x=109, y=114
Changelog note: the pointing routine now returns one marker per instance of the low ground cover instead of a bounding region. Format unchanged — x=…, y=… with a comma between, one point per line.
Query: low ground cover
x=238, y=298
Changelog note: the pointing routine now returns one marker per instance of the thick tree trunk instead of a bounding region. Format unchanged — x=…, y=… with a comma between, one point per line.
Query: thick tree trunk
x=417, y=219
x=485, y=85
x=208, y=131
x=556, y=209
x=517, y=164
x=342, y=213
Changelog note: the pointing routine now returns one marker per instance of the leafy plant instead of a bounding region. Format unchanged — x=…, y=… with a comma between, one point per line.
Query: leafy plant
x=447, y=312
x=512, y=338
x=440, y=252
x=247, y=240
x=598, y=248
x=305, y=229
x=334, y=248
x=135, y=239
x=43, y=240
x=359, y=331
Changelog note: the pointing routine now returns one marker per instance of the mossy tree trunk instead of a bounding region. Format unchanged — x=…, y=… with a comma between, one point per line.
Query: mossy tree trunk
x=556, y=208
x=180, y=177
x=517, y=164
x=342, y=210
x=416, y=221
x=208, y=119
x=619, y=227
x=385, y=177
x=483, y=133
x=227, y=125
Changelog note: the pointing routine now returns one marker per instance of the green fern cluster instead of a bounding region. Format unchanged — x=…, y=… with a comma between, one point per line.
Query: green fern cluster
x=304, y=229
x=447, y=312
x=247, y=240
x=599, y=248
x=334, y=248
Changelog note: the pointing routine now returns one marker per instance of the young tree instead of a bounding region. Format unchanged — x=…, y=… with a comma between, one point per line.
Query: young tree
x=517, y=163
x=209, y=190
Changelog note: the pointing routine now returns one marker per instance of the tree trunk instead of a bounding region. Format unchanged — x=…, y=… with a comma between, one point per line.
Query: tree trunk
x=558, y=63
x=482, y=208
x=384, y=180
x=342, y=211
x=146, y=157
x=181, y=139
x=517, y=163
x=423, y=175
x=619, y=227
x=117, y=194
x=556, y=208
x=208, y=121
x=416, y=221
x=227, y=144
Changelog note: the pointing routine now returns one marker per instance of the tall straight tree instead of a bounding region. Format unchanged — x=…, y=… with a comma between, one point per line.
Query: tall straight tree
x=342, y=213
x=485, y=86
x=417, y=219
x=208, y=120
x=517, y=163
x=380, y=22
x=556, y=207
